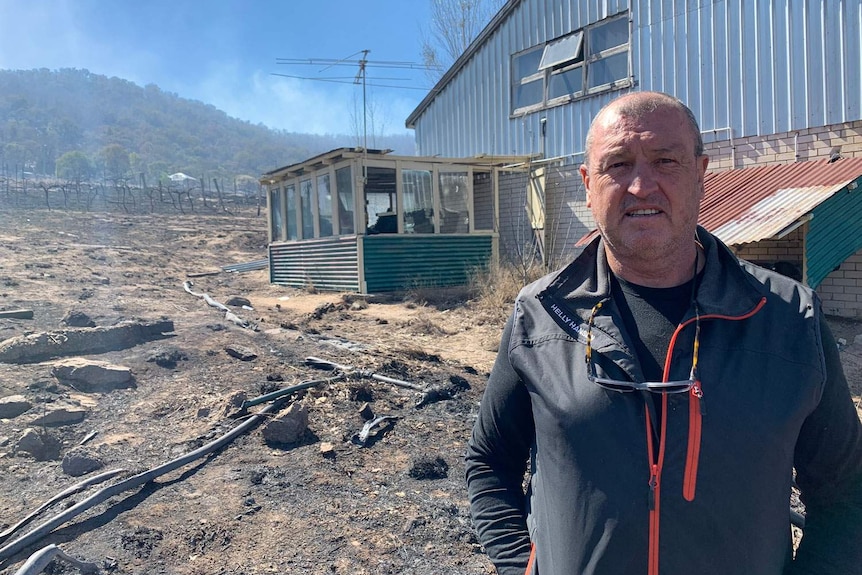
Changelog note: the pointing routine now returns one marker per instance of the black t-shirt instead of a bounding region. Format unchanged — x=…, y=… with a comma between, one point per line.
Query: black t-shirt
x=650, y=316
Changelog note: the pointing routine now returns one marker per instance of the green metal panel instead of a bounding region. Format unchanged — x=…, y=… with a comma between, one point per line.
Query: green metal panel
x=327, y=264
x=834, y=233
x=396, y=262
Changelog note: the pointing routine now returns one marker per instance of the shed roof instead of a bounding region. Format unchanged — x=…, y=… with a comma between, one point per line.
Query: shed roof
x=757, y=203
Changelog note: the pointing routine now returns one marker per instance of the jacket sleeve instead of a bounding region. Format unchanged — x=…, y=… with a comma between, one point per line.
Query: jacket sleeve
x=496, y=462
x=828, y=459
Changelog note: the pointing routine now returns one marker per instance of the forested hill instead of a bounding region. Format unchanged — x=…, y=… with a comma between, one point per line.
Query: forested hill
x=66, y=120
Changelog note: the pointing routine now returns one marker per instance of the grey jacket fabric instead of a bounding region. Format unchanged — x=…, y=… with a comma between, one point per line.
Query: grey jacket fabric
x=718, y=473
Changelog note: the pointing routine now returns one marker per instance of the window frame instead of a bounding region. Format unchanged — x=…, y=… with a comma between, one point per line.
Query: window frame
x=583, y=59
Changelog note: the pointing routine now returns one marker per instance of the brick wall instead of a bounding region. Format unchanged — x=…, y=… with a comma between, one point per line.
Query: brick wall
x=802, y=145
x=841, y=291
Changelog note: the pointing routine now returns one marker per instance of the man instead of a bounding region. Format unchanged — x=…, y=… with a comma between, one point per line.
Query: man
x=663, y=391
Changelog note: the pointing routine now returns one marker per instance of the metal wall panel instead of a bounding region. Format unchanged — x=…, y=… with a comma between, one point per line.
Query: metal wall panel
x=745, y=67
x=833, y=233
x=329, y=264
x=398, y=262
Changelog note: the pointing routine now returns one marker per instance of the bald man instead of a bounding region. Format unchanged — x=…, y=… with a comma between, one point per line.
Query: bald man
x=660, y=394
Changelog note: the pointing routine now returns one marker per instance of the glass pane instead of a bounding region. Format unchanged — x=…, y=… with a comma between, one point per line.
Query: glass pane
x=528, y=94
x=526, y=64
x=344, y=187
x=610, y=35
x=324, y=206
x=276, y=214
x=563, y=50
x=565, y=83
x=608, y=70
x=418, y=202
x=454, y=217
x=483, y=201
x=380, y=207
x=305, y=208
x=291, y=212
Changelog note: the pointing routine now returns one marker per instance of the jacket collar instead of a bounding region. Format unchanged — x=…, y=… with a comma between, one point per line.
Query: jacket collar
x=725, y=289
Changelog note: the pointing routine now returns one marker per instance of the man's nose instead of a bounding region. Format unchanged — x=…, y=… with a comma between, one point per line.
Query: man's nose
x=643, y=180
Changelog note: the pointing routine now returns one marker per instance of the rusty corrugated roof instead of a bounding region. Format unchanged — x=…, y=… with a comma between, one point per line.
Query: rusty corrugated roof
x=752, y=204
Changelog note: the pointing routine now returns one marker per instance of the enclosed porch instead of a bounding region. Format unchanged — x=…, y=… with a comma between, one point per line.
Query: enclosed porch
x=367, y=221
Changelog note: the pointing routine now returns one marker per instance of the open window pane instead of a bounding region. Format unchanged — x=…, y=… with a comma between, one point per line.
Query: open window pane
x=418, y=201
x=344, y=188
x=324, y=206
x=291, y=212
x=565, y=83
x=565, y=49
x=606, y=36
x=305, y=208
x=454, y=215
x=380, y=203
x=607, y=70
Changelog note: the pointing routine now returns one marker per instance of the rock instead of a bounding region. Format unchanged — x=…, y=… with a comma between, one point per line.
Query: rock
x=858, y=339
x=238, y=301
x=81, y=461
x=289, y=427
x=13, y=406
x=59, y=414
x=77, y=319
x=241, y=353
x=91, y=375
x=327, y=450
x=233, y=402
x=40, y=446
x=167, y=357
x=359, y=305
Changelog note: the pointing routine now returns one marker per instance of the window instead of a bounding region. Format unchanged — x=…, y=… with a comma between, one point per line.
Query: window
x=324, y=206
x=291, y=212
x=344, y=190
x=276, y=214
x=454, y=216
x=380, y=201
x=592, y=59
x=418, y=201
x=305, y=209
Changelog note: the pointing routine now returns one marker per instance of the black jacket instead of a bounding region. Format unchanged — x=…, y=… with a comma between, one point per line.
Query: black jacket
x=701, y=485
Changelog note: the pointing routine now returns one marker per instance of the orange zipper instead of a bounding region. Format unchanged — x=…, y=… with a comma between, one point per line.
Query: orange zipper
x=694, y=437
x=532, y=560
x=696, y=411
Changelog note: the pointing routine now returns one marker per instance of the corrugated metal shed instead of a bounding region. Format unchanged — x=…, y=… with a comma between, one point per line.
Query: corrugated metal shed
x=752, y=204
x=744, y=68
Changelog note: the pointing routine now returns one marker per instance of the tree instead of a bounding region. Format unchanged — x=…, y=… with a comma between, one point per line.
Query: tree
x=454, y=25
x=115, y=161
x=75, y=166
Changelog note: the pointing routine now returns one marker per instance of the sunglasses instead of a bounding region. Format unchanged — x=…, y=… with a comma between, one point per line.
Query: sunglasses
x=651, y=386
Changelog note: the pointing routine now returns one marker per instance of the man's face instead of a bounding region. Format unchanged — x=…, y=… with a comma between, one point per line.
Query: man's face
x=644, y=184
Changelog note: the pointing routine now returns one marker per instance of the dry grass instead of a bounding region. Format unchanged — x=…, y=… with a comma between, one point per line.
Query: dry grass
x=494, y=289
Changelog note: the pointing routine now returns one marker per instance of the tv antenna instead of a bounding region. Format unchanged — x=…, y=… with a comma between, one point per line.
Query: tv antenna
x=360, y=78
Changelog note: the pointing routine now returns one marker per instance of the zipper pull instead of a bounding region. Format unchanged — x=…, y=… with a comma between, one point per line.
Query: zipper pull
x=653, y=483
x=697, y=392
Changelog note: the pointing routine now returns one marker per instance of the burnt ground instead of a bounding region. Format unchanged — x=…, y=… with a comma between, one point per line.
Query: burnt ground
x=322, y=505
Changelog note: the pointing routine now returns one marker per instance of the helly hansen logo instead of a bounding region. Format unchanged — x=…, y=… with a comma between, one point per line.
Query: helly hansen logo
x=573, y=324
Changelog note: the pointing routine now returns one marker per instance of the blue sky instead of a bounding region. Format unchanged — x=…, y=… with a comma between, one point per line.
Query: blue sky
x=223, y=52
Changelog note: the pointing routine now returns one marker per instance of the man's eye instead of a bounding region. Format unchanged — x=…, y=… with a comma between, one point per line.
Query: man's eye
x=666, y=161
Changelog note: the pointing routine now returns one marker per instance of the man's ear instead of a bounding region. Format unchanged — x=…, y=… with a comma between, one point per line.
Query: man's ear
x=585, y=176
